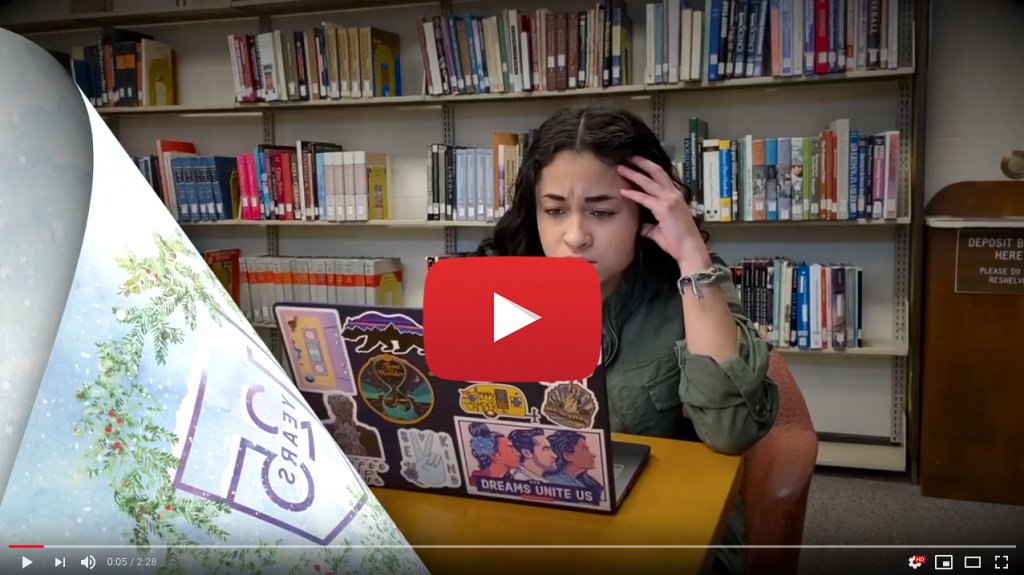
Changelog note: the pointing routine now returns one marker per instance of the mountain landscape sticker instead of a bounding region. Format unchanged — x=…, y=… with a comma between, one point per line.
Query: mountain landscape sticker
x=374, y=332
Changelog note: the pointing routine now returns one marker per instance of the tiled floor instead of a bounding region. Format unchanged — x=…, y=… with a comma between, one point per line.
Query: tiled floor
x=868, y=509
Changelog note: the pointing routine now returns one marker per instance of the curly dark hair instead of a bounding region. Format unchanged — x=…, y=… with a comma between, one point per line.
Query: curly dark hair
x=612, y=134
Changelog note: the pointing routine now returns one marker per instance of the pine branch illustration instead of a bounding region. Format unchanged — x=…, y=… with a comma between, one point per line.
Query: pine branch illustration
x=129, y=448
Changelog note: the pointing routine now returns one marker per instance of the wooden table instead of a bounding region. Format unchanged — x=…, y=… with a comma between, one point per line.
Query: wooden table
x=683, y=497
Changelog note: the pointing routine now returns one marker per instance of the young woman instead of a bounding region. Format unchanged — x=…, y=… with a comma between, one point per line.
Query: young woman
x=681, y=359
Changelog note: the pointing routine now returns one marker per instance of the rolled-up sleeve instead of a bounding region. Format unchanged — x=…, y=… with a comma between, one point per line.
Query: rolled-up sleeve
x=732, y=404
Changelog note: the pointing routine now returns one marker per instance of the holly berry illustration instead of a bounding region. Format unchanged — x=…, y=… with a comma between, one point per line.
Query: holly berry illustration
x=149, y=479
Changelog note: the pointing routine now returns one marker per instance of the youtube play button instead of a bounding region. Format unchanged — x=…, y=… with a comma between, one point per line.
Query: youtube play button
x=512, y=319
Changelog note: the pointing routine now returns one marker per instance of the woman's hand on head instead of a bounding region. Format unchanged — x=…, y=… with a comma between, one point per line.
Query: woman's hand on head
x=676, y=231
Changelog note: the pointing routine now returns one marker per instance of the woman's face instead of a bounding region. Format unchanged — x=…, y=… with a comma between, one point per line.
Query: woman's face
x=581, y=214
x=582, y=456
x=506, y=454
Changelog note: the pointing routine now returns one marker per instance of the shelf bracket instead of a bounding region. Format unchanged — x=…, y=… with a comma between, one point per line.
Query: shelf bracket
x=267, y=118
x=273, y=246
x=268, y=138
x=273, y=340
x=901, y=256
x=658, y=115
x=451, y=236
x=114, y=124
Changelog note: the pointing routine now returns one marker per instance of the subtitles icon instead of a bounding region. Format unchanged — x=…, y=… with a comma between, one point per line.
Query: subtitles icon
x=943, y=562
x=917, y=561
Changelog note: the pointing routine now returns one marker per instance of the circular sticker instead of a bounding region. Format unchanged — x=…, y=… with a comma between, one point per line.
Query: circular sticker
x=395, y=389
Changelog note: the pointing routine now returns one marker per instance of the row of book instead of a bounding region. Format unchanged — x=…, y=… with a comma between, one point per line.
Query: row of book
x=685, y=41
x=312, y=181
x=802, y=305
x=527, y=51
x=839, y=174
x=780, y=38
x=202, y=188
x=266, y=280
x=320, y=181
x=517, y=51
x=474, y=184
x=124, y=69
x=798, y=305
x=325, y=62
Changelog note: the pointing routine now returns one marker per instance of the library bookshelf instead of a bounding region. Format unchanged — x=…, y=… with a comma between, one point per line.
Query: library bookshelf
x=857, y=397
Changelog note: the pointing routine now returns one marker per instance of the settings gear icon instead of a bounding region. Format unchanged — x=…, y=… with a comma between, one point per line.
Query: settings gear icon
x=916, y=561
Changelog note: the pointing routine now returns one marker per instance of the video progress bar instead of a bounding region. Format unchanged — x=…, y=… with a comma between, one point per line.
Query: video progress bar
x=496, y=546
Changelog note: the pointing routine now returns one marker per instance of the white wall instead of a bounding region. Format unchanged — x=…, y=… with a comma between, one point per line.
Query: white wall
x=975, y=90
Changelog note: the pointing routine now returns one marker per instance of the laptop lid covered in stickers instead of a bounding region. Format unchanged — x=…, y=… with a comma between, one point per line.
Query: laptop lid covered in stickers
x=363, y=372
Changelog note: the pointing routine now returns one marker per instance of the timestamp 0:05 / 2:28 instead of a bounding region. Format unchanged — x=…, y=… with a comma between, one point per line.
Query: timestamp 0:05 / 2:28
x=130, y=562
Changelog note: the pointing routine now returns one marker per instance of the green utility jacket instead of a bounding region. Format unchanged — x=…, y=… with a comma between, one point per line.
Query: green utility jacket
x=657, y=388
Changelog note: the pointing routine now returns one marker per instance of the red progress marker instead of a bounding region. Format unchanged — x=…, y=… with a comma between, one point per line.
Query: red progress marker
x=26, y=546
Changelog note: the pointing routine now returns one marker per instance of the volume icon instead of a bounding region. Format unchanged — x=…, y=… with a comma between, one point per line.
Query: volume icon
x=89, y=562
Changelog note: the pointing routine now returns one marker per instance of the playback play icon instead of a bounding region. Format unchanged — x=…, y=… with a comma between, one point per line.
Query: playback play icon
x=512, y=319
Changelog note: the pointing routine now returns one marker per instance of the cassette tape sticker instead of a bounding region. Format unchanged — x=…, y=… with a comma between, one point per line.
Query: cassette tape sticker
x=316, y=352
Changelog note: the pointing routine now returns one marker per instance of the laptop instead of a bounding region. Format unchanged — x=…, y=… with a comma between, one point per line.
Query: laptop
x=362, y=370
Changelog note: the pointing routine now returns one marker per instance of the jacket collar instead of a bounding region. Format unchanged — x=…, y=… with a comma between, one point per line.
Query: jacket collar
x=615, y=309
